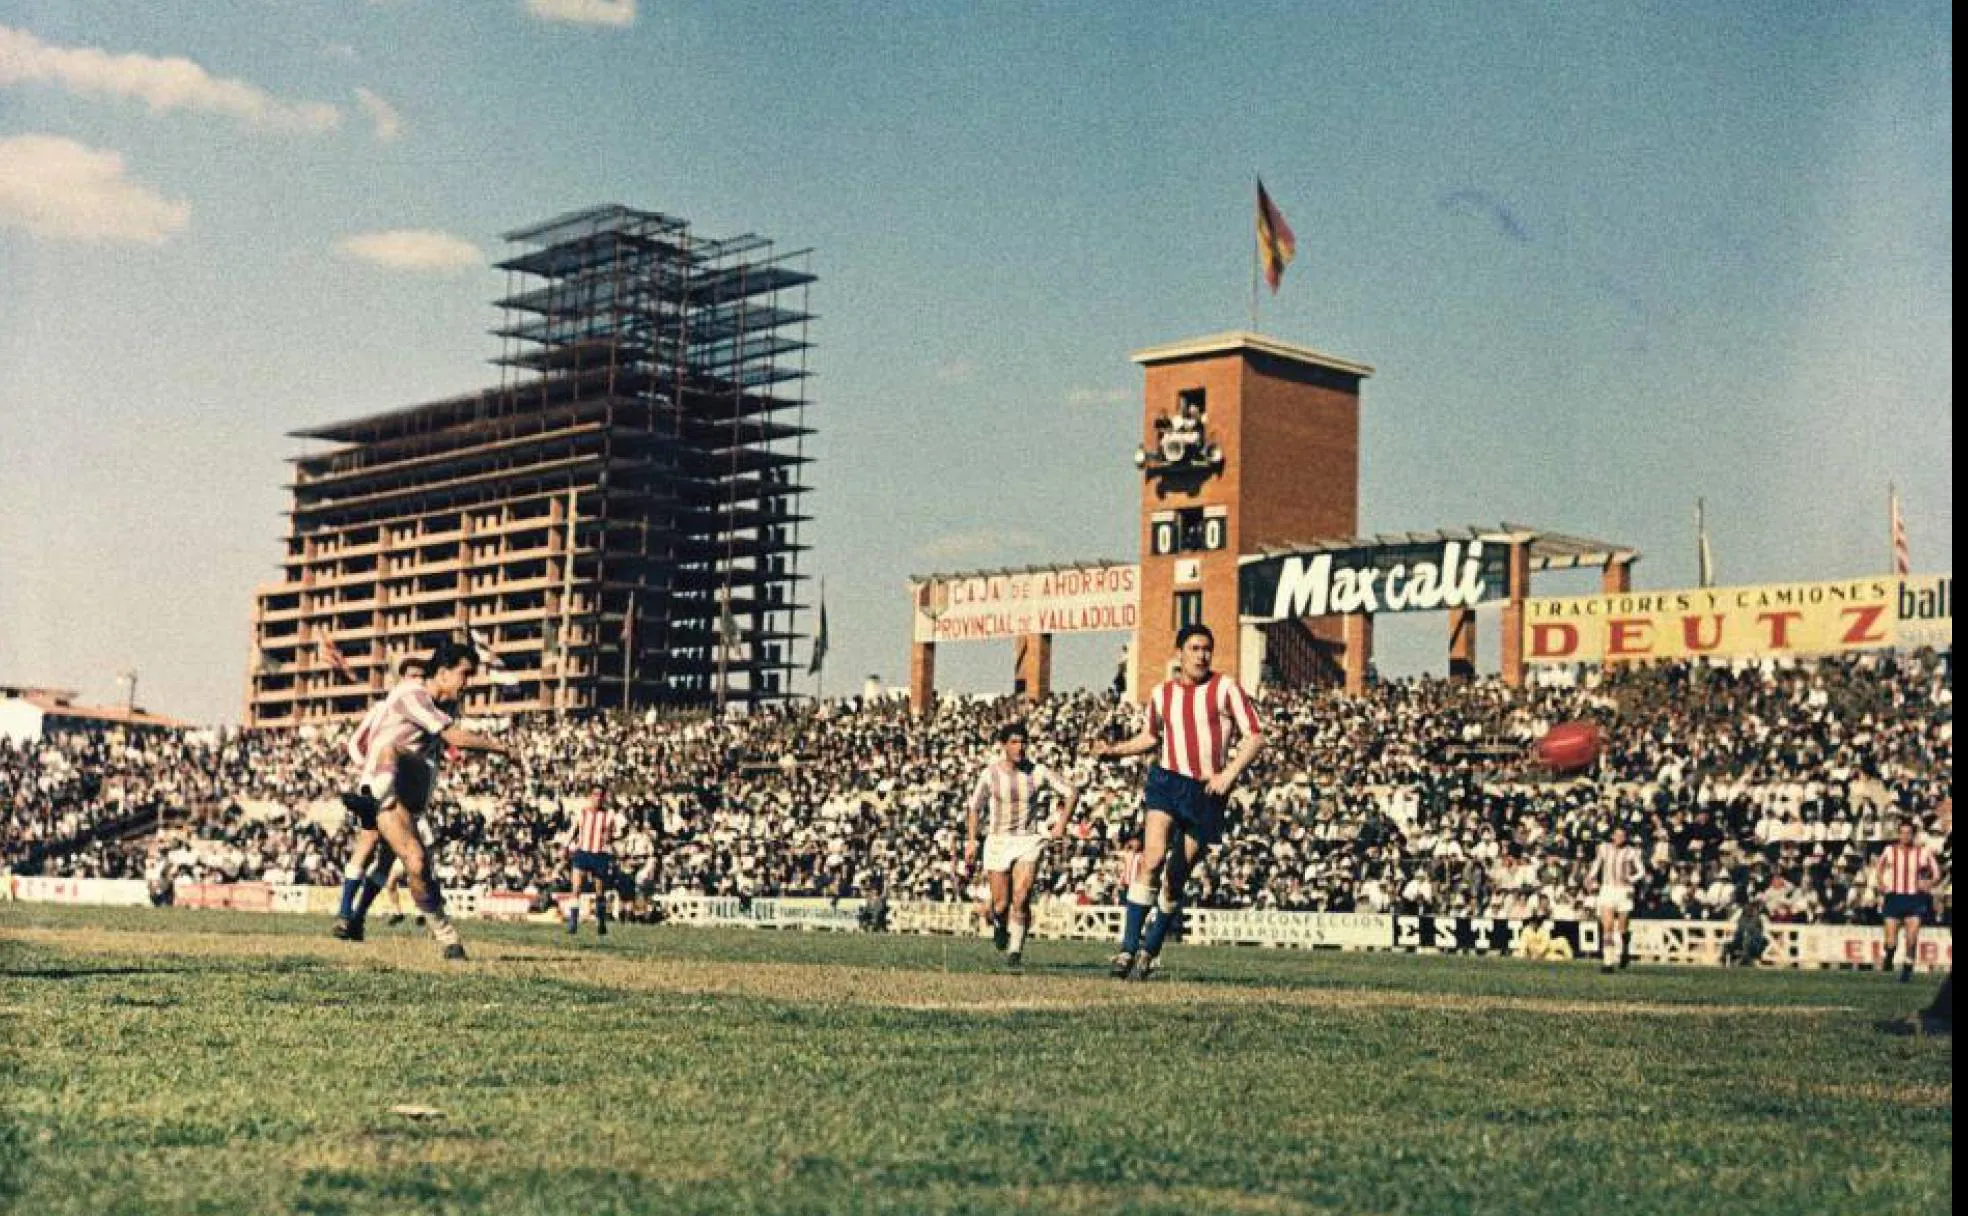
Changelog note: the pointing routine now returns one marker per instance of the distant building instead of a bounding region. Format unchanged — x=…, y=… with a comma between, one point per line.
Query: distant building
x=617, y=523
x=29, y=713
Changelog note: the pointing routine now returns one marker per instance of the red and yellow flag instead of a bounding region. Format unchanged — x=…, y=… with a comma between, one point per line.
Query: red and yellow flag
x=1275, y=243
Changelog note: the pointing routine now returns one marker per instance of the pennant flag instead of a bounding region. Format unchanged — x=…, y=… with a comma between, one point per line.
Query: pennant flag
x=819, y=639
x=1902, y=554
x=335, y=658
x=727, y=623
x=271, y=664
x=1704, y=559
x=489, y=661
x=1276, y=246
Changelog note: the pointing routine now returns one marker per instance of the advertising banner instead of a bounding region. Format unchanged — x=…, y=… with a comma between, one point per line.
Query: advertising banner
x=1302, y=930
x=1071, y=599
x=1495, y=935
x=505, y=905
x=1856, y=946
x=122, y=892
x=1742, y=622
x=1427, y=577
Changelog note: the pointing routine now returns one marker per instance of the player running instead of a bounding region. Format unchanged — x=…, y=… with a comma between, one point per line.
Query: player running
x=590, y=845
x=370, y=866
x=1616, y=870
x=400, y=751
x=1907, y=873
x=1192, y=719
x=1006, y=797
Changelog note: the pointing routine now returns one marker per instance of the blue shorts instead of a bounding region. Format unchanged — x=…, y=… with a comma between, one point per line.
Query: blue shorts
x=1900, y=907
x=601, y=865
x=1195, y=810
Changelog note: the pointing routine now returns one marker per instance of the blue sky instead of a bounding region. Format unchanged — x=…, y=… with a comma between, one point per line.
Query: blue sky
x=1606, y=259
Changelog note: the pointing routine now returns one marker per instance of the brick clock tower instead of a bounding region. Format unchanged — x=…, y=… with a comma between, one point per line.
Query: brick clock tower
x=1247, y=443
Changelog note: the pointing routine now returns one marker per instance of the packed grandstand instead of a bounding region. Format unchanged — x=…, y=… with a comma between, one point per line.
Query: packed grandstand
x=1766, y=783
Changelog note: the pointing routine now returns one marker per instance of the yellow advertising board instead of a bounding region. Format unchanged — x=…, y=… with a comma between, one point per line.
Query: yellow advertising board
x=1742, y=622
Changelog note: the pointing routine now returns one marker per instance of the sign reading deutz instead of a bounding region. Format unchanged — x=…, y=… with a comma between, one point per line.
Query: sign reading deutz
x=1743, y=622
x=1009, y=604
x=1426, y=577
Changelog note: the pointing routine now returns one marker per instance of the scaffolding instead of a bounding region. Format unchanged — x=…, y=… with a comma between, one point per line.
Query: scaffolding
x=617, y=523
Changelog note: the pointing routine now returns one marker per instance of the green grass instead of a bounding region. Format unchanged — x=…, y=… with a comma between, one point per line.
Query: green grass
x=160, y=1062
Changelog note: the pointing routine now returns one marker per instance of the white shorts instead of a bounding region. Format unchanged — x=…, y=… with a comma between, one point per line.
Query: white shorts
x=1614, y=899
x=1003, y=852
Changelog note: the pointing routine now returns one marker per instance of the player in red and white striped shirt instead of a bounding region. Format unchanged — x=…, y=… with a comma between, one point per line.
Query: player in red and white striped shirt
x=1006, y=797
x=590, y=845
x=1204, y=731
x=1907, y=873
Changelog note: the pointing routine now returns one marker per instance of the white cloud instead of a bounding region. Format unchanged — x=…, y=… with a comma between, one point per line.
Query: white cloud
x=161, y=84
x=419, y=249
x=618, y=13
x=388, y=123
x=1099, y=396
x=960, y=546
x=57, y=188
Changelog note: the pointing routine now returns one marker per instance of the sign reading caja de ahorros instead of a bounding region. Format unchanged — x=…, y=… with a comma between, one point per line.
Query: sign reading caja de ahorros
x=1743, y=622
x=1429, y=576
x=1008, y=604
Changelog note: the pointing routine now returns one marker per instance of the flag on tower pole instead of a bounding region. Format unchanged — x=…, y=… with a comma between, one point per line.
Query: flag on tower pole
x=819, y=659
x=1276, y=245
x=1902, y=555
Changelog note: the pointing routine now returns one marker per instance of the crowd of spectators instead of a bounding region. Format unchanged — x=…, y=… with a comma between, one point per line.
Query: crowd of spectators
x=1768, y=783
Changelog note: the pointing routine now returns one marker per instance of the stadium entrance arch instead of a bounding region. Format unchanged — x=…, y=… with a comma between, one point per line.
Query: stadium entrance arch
x=1027, y=606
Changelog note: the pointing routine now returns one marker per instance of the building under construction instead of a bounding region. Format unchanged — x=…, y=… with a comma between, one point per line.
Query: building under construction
x=617, y=524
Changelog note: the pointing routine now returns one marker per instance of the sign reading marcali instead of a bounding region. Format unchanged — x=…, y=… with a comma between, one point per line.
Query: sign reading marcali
x=1426, y=577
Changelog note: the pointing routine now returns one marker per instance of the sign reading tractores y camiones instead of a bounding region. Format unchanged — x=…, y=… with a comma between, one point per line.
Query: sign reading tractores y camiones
x=1742, y=622
x=1070, y=599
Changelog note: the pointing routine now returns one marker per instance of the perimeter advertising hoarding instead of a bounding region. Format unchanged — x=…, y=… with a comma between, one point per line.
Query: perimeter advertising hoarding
x=1428, y=577
x=982, y=607
x=1742, y=622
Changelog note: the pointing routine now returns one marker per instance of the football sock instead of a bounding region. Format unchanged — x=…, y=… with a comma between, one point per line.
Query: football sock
x=1139, y=898
x=1017, y=936
x=1158, y=928
x=573, y=915
x=372, y=886
x=347, y=909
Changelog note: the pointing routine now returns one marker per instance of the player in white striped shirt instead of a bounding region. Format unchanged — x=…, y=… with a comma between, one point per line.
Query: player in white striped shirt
x=1205, y=731
x=371, y=866
x=399, y=750
x=1006, y=797
x=1616, y=870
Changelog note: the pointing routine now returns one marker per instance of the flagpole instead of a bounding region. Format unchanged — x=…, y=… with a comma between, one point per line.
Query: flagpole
x=1701, y=542
x=1253, y=293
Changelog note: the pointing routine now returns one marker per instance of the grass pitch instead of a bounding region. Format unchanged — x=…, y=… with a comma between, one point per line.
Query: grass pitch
x=160, y=1062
